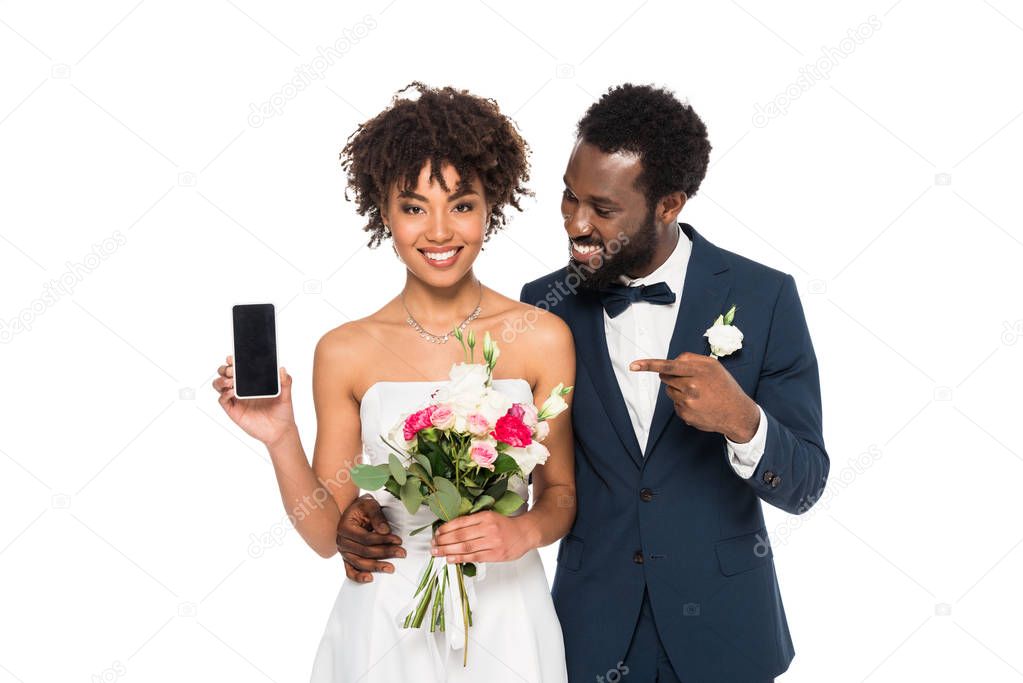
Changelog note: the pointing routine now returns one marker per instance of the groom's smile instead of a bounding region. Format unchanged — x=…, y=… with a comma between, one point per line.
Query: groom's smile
x=613, y=231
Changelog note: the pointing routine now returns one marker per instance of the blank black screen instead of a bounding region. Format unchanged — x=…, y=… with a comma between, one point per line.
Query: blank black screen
x=255, y=350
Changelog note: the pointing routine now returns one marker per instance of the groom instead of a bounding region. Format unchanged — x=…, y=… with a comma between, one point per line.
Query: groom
x=668, y=573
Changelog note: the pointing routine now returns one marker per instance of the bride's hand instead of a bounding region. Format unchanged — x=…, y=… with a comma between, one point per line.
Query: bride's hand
x=266, y=419
x=486, y=536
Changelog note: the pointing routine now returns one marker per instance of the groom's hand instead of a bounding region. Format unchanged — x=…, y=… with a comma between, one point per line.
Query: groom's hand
x=705, y=394
x=364, y=537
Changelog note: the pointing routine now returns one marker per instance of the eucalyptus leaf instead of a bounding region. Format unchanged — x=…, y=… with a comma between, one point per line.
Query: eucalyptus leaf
x=419, y=471
x=445, y=500
x=464, y=505
x=420, y=529
x=484, y=502
x=397, y=471
x=370, y=477
x=508, y=503
x=424, y=461
x=411, y=495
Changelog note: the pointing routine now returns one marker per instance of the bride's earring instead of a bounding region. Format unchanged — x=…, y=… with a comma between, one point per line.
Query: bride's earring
x=394, y=246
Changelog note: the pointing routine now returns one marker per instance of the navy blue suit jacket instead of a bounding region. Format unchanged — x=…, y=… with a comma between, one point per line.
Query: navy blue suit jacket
x=677, y=519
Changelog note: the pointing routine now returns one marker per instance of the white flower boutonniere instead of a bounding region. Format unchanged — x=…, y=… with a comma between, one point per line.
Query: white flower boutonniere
x=723, y=336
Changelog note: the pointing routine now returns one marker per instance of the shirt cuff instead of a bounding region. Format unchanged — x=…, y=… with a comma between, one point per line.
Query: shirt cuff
x=743, y=457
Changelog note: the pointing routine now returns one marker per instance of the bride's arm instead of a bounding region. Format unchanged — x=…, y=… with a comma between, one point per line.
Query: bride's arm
x=553, y=510
x=314, y=495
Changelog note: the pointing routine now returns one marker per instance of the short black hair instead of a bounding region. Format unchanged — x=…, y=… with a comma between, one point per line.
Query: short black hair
x=436, y=125
x=668, y=136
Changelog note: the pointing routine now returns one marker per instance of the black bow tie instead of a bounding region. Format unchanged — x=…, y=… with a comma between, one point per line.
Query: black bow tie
x=616, y=298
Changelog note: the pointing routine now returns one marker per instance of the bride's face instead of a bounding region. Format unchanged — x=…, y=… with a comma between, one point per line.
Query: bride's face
x=437, y=234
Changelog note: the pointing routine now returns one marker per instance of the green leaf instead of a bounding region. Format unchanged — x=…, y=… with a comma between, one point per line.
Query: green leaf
x=464, y=505
x=445, y=500
x=418, y=470
x=411, y=495
x=505, y=463
x=730, y=316
x=497, y=489
x=370, y=477
x=508, y=503
x=397, y=471
x=482, y=503
x=420, y=529
x=391, y=486
x=424, y=461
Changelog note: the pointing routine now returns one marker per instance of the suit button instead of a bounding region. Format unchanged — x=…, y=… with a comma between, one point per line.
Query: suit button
x=638, y=557
x=646, y=495
x=769, y=476
x=775, y=481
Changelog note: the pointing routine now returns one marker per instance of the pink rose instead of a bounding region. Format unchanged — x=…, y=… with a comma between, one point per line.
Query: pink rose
x=418, y=421
x=510, y=429
x=483, y=453
x=443, y=417
x=477, y=424
x=529, y=414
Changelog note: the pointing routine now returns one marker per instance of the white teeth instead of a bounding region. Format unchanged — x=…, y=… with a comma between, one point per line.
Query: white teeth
x=587, y=249
x=440, y=256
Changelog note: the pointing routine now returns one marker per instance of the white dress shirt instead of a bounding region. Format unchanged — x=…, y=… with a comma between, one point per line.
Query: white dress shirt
x=644, y=330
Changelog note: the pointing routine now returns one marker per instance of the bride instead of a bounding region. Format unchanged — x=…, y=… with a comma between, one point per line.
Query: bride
x=434, y=173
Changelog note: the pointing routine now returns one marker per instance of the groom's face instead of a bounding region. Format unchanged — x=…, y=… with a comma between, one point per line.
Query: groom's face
x=609, y=222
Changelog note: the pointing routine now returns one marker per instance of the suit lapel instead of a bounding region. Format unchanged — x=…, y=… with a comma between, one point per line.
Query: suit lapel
x=598, y=365
x=703, y=298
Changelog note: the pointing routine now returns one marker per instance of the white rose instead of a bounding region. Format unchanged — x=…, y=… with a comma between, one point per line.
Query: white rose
x=542, y=430
x=465, y=388
x=529, y=457
x=724, y=339
x=397, y=434
x=467, y=378
x=494, y=404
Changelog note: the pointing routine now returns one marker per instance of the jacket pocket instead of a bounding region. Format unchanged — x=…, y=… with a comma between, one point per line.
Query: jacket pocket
x=570, y=552
x=742, y=553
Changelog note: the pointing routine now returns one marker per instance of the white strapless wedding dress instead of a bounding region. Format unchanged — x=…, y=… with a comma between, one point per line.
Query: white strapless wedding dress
x=515, y=634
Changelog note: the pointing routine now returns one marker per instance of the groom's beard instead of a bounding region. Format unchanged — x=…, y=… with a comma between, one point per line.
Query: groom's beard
x=632, y=257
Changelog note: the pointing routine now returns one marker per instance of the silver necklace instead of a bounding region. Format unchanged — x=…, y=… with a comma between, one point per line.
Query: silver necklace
x=440, y=338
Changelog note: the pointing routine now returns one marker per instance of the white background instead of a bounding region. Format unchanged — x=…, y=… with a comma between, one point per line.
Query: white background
x=141, y=534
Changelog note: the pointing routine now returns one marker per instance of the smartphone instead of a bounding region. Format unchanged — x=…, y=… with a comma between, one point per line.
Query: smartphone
x=255, y=351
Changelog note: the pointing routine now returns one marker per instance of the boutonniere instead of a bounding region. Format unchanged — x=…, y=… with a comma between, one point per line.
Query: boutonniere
x=724, y=337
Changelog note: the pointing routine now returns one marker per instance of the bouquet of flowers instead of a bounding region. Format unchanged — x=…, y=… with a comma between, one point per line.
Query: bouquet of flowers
x=456, y=456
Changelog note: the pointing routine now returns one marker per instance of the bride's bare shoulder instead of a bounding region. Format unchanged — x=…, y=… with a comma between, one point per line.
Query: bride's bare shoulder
x=546, y=330
x=356, y=338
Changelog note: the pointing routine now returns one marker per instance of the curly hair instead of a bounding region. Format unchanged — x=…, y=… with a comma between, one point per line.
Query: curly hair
x=440, y=125
x=668, y=136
